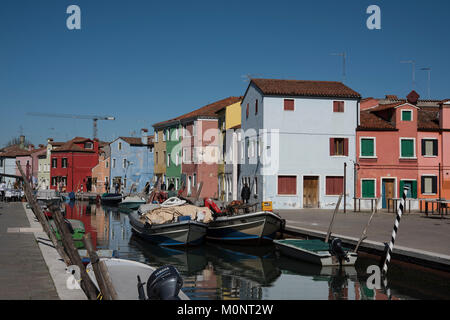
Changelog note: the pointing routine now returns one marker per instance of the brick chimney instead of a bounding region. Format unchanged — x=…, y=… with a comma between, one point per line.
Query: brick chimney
x=413, y=97
x=144, y=133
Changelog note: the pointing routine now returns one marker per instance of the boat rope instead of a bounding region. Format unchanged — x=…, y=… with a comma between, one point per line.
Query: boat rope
x=395, y=230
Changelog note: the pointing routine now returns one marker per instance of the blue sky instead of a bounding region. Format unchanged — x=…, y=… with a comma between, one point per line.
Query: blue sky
x=146, y=61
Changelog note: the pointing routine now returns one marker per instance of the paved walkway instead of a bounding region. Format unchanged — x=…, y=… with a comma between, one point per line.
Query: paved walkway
x=415, y=231
x=23, y=271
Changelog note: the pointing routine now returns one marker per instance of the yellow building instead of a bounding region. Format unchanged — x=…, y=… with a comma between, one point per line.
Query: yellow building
x=160, y=155
x=229, y=122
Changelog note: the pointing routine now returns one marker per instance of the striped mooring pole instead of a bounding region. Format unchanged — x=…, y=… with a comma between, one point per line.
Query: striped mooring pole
x=400, y=209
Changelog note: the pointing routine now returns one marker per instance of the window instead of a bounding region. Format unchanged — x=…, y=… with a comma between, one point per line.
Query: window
x=54, y=163
x=338, y=147
x=368, y=188
x=288, y=104
x=1, y=163
x=124, y=163
x=54, y=181
x=156, y=136
x=334, y=186
x=406, y=115
x=164, y=155
x=64, y=163
x=164, y=135
x=113, y=163
x=367, y=147
x=156, y=157
x=168, y=160
x=119, y=146
x=429, y=184
x=64, y=181
x=247, y=111
x=287, y=185
x=88, y=145
x=412, y=192
x=256, y=107
x=407, y=148
x=430, y=147
x=338, y=106
x=194, y=179
x=106, y=164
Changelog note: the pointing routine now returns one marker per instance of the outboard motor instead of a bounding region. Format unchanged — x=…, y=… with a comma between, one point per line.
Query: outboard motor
x=337, y=250
x=164, y=284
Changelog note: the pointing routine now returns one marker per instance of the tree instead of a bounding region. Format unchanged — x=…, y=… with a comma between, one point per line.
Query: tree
x=16, y=141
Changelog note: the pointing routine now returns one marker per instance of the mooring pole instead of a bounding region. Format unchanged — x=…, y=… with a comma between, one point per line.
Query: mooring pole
x=345, y=187
x=332, y=219
x=400, y=209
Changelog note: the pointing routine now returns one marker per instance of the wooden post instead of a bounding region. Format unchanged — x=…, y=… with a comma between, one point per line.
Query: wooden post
x=345, y=187
x=41, y=218
x=199, y=191
x=332, y=219
x=363, y=235
x=67, y=240
x=107, y=279
x=95, y=261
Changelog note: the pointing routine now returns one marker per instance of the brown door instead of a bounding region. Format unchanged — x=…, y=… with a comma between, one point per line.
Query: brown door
x=389, y=191
x=310, y=192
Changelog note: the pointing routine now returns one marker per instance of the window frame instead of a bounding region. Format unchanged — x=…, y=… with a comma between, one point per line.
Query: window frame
x=422, y=144
x=284, y=105
x=374, y=139
x=422, y=186
x=414, y=148
x=410, y=112
x=339, y=103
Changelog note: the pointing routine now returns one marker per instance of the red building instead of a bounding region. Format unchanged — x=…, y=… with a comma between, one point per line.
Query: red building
x=71, y=165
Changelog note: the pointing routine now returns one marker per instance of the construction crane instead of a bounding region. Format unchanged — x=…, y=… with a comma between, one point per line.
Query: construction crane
x=74, y=116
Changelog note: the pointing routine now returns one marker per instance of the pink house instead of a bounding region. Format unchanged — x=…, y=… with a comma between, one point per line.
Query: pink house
x=400, y=143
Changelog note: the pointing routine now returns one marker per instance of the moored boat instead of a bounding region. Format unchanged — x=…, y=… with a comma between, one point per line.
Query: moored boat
x=183, y=232
x=317, y=251
x=111, y=198
x=131, y=203
x=256, y=227
x=126, y=276
x=76, y=227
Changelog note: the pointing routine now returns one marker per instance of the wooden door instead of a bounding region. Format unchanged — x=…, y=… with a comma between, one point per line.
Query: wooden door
x=388, y=190
x=310, y=192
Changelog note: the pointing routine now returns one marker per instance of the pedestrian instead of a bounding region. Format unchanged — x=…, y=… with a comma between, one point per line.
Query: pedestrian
x=2, y=190
x=107, y=186
x=171, y=192
x=116, y=187
x=245, y=193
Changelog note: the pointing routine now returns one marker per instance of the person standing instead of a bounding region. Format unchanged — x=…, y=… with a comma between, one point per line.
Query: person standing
x=2, y=190
x=245, y=193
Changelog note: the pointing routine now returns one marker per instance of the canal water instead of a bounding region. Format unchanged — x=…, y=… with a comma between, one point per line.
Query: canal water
x=216, y=271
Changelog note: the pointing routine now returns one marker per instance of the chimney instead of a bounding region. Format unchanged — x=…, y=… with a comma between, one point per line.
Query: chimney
x=22, y=142
x=30, y=147
x=144, y=136
x=413, y=97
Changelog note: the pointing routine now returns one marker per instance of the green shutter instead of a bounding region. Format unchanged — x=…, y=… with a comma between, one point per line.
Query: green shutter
x=367, y=148
x=368, y=188
x=414, y=189
x=406, y=115
x=407, y=148
x=402, y=185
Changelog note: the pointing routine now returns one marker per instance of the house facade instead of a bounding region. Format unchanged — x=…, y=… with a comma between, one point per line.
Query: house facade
x=71, y=165
x=401, y=143
x=44, y=164
x=296, y=138
x=132, y=162
x=102, y=171
x=160, y=155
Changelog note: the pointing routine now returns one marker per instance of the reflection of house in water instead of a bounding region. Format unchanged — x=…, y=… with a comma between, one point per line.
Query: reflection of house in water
x=83, y=211
x=119, y=229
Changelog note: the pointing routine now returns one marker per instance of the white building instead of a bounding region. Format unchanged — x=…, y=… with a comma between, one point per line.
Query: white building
x=296, y=137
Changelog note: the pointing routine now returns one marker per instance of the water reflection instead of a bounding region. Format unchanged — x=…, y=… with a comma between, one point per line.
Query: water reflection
x=216, y=271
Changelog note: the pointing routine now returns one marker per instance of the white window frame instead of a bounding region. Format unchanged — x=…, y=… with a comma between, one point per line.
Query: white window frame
x=410, y=111
x=425, y=138
x=374, y=148
x=400, y=148
x=374, y=186
x=437, y=185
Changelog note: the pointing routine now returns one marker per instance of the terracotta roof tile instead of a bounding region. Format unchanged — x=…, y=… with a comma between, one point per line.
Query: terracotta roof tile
x=205, y=111
x=371, y=121
x=428, y=119
x=14, y=151
x=382, y=107
x=70, y=146
x=133, y=141
x=279, y=87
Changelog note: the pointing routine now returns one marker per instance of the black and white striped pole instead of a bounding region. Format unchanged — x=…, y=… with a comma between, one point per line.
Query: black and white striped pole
x=400, y=209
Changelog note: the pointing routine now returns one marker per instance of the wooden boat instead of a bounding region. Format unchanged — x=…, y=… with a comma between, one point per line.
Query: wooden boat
x=314, y=251
x=184, y=232
x=111, y=198
x=131, y=203
x=124, y=274
x=246, y=228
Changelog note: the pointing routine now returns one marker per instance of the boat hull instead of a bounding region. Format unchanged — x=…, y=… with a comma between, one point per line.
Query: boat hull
x=111, y=199
x=259, y=227
x=182, y=233
x=322, y=258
